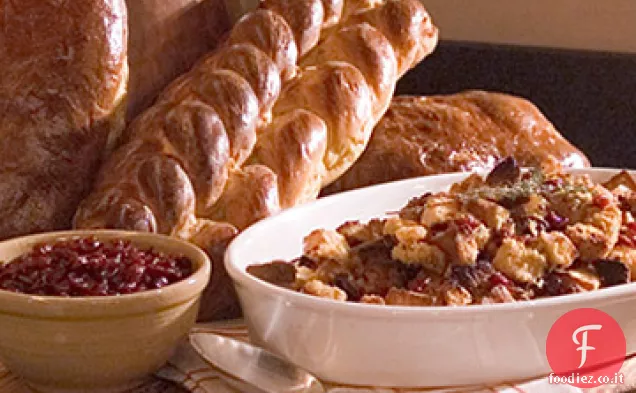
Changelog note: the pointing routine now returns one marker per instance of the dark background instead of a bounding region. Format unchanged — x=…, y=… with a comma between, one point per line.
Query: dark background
x=589, y=96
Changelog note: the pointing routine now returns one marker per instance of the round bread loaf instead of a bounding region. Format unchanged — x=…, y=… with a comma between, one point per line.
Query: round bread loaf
x=64, y=76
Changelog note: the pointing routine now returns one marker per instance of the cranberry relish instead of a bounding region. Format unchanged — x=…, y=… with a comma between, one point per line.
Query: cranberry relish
x=89, y=267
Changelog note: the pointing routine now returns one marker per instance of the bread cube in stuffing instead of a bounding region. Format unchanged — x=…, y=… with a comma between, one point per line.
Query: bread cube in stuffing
x=438, y=209
x=409, y=231
x=356, y=232
x=458, y=296
x=470, y=183
x=519, y=262
x=411, y=235
x=491, y=213
x=536, y=206
x=608, y=220
x=323, y=243
x=501, y=294
x=320, y=289
x=585, y=278
x=372, y=299
x=462, y=240
x=558, y=248
x=403, y=297
x=428, y=255
x=591, y=242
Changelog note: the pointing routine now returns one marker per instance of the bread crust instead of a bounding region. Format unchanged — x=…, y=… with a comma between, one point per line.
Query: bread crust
x=166, y=38
x=62, y=104
x=467, y=131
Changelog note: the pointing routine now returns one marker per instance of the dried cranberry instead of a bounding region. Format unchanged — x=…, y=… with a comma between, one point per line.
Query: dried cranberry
x=499, y=279
x=624, y=204
x=601, y=201
x=555, y=221
x=531, y=226
x=554, y=183
x=420, y=283
x=160, y=282
x=88, y=267
x=611, y=272
x=466, y=225
x=540, y=224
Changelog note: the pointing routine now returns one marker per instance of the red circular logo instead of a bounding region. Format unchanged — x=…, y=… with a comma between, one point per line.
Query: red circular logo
x=586, y=348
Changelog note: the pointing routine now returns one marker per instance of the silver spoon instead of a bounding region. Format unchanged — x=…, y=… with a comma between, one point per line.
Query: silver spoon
x=260, y=369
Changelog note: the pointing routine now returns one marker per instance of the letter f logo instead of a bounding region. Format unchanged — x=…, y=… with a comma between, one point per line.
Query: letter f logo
x=583, y=343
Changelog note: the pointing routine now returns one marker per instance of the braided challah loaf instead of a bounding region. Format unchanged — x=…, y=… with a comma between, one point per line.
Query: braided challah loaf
x=281, y=110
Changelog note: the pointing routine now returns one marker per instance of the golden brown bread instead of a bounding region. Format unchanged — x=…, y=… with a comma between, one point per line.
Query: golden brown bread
x=62, y=87
x=166, y=39
x=305, y=136
x=261, y=124
x=268, y=32
x=462, y=132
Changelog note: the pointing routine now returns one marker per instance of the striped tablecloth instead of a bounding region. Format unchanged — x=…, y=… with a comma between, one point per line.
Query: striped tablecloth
x=191, y=374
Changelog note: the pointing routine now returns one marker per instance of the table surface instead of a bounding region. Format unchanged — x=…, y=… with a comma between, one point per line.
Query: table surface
x=10, y=384
x=211, y=381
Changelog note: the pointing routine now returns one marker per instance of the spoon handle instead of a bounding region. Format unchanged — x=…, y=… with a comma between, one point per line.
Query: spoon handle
x=254, y=366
